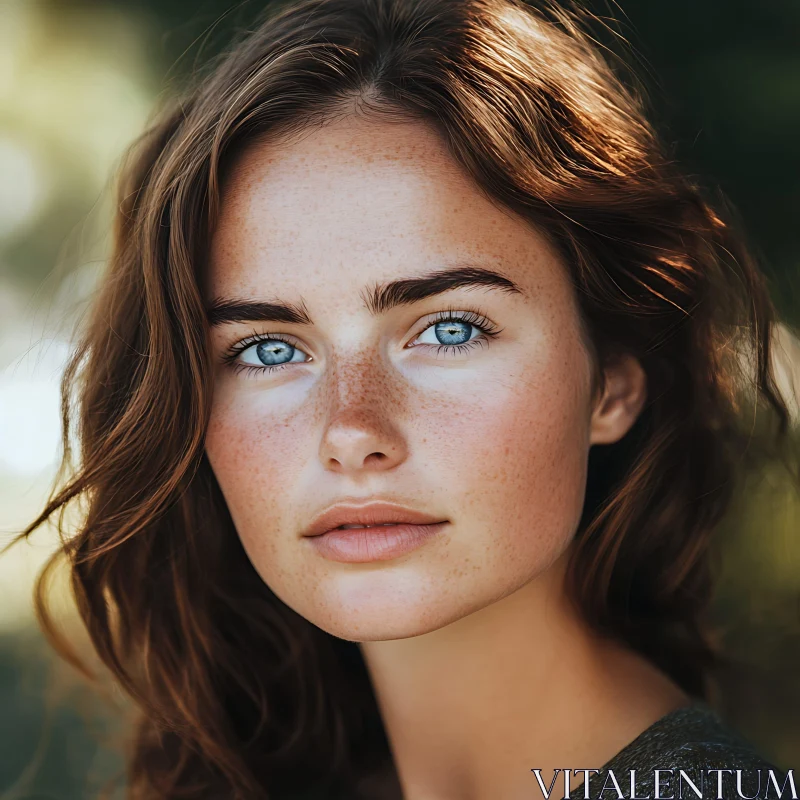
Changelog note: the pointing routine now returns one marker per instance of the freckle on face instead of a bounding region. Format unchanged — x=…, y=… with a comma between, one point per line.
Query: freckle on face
x=495, y=440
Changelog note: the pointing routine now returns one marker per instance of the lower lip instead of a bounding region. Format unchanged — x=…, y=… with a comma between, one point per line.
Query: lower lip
x=358, y=545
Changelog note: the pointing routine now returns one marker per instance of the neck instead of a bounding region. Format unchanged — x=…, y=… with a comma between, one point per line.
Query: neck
x=471, y=708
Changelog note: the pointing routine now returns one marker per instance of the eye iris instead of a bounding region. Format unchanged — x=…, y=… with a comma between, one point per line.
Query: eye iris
x=273, y=351
x=452, y=332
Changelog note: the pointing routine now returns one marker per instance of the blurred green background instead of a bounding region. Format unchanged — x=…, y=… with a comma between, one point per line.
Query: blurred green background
x=77, y=83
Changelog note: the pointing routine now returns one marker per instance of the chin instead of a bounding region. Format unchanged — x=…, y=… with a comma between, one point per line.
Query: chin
x=377, y=629
x=376, y=609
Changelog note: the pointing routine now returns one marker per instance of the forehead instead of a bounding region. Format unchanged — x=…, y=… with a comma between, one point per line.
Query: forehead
x=359, y=201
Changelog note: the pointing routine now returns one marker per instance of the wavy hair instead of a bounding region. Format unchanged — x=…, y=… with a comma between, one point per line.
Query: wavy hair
x=238, y=696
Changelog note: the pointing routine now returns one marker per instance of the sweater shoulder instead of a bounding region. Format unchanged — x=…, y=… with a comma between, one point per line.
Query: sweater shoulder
x=690, y=753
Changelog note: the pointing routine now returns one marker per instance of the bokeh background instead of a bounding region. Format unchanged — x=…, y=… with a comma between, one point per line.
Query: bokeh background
x=78, y=81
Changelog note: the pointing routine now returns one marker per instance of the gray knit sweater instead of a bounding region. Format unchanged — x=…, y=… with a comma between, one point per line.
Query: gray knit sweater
x=711, y=755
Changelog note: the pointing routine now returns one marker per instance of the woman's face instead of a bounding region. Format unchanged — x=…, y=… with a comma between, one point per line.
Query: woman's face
x=463, y=393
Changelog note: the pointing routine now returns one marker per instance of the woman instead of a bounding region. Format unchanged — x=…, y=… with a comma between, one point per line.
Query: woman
x=407, y=408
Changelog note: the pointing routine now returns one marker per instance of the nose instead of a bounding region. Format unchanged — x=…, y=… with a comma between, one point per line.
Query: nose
x=357, y=442
x=361, y=433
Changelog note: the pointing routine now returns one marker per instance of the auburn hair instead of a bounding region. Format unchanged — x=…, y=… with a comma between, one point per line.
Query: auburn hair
x=238, y=696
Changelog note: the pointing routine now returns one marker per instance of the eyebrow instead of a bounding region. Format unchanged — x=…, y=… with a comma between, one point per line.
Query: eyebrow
x=377, y=299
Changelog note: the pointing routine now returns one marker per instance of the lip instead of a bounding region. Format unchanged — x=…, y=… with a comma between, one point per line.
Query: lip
x=367, y=514
x=410, y=530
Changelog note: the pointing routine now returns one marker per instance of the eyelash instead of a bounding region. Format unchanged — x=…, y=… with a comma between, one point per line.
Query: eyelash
x=488, y=331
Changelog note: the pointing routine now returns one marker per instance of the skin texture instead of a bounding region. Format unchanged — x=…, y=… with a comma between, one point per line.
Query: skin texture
x=481, y=666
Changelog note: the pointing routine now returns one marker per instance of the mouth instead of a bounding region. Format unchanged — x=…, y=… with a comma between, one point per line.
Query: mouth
x=376, y=531
x=376, y=514
x=359, y=543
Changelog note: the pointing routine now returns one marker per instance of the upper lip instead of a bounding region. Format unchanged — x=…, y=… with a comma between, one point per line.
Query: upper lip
x=367, y=514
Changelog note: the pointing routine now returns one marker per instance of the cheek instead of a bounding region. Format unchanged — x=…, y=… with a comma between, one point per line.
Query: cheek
x=516, y=453
x=256, y=453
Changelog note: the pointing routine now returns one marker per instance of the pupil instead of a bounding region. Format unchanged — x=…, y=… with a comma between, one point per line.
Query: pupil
x=273, y=351
x=452, y=332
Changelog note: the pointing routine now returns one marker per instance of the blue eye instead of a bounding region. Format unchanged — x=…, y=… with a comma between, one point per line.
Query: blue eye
x=452, y=332
x=271, y=352
x=263, y=354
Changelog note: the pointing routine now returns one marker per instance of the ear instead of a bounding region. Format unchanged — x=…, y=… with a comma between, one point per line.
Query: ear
x=623, y=397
